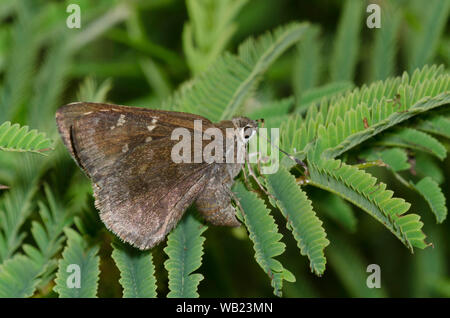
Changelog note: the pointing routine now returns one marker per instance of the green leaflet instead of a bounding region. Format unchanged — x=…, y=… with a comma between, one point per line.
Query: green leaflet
x=300, y=217
x=17, y=138
x=18, y=75
x=438, y=125
x=273, y=112
x=49, y=83
x=18, y=277
x=327, y=91
x=349, y=120
x=426, y=40
x=48, y=236
x=156, y=78
x=346, y=43
x=78, y=258
x=362, y=189
x=426, y=166
x=90, y=91
x=53, y=74
x=264, y=235
x=293, y=136
x=137, y=272
x=382, y=61
x=432, y=193
x=414, y=139
x=22, y=274
x=15, y=208
x=308, y=61
x=185, y=251
x=272, y=108
x=356, y=135
x=219, y=92
x=209, y=30
x=395, y=158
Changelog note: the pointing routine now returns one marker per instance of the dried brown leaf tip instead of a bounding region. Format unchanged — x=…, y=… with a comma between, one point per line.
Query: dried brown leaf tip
x=44, y=149
x=366, y=123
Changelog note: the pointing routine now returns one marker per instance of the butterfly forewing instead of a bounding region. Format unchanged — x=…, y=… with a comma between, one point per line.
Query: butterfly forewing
x=126, y=151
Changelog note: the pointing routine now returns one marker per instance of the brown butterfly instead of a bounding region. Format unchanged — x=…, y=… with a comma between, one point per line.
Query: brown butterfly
x=140, y=191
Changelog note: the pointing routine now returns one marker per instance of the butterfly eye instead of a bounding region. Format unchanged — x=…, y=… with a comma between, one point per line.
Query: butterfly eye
x=248, y=132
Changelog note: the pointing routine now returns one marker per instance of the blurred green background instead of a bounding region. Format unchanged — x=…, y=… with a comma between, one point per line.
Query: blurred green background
x=141, y=51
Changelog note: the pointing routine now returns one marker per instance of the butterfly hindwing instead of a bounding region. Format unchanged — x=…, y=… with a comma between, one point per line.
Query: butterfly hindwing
x=143, y=200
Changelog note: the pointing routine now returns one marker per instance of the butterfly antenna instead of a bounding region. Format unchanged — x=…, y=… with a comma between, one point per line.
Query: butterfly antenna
x=296, y=160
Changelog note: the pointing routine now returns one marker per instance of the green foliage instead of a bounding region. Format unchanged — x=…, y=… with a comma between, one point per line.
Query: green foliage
x=210, y=29
x=436, y=124
x=356, y=137
x=274, y=112
x=136, y=271
x=78, y=258
x=90, y=91
x=265, y=237
x=362, y=190
x=431, y=191
x=426, y=38
x=346, y=44
x=18, y=277
x=307, y=67
x=427, y=166
x=22, y=274
x=16, y=206
x=395, y=158
x=24, y=49
x=300, y=217
x=318, y=94
x=382, y=63
x=415, y=139
x=185, y=251
x=348, y=121
x=16, y=138
x=220, y=91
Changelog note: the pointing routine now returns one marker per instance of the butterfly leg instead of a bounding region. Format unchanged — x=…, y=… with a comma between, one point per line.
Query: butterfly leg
x=252, y=173
x=246, y=179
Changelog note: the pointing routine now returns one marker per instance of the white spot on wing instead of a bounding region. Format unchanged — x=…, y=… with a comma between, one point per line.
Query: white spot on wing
x=125, y=148
x=151, y=127
x=121, y=120
x=148, y=139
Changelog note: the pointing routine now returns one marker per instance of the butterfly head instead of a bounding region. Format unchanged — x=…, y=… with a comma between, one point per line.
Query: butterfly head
x=247, y=127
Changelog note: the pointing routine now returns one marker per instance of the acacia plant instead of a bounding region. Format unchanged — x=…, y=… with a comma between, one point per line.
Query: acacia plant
x=362, y=124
